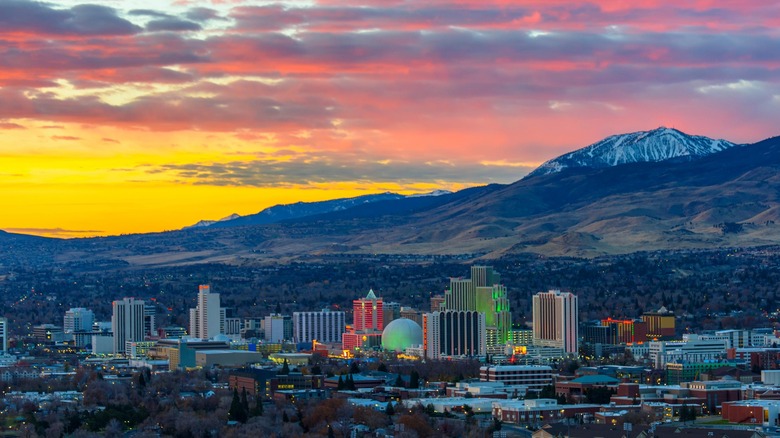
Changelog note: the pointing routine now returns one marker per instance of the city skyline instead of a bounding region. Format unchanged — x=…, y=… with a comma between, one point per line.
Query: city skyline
x=146, y=116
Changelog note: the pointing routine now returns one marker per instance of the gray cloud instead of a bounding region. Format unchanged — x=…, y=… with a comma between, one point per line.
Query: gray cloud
x=204, y=14
x=308, y=170
x=87, y=20
x=149, y=13
x=58, y=232
x=172, y=25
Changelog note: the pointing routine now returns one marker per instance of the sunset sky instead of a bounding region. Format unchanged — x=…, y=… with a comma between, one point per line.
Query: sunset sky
x=149, y=115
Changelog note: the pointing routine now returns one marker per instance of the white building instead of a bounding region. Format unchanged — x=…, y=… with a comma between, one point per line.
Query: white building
x=694, y=349
x=325, y=326
x=556, y=320
x=232, y=328
x=533, y=377
x=278, y=328
x=78, y=319
x=150, y=319
x=127, y=322
x=207, y=318
x=102, y=343
x=770, y=377
x=3, y=336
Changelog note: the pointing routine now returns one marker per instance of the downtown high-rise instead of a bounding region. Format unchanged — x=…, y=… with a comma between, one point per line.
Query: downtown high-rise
x=206, y=319
x=325, y=327
x=555, y=320
x=483, y=293
x=127, y=322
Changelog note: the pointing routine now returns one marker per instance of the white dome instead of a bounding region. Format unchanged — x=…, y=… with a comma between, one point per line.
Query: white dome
x=401, y=334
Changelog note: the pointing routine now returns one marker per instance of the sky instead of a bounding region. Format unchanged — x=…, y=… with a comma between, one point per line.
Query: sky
x=128, y=116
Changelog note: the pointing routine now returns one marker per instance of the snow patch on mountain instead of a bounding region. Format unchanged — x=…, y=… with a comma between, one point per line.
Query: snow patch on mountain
x=644, y=146
x=208, y=223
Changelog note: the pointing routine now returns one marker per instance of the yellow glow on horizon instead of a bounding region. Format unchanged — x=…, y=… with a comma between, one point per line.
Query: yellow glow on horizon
x=71, y=180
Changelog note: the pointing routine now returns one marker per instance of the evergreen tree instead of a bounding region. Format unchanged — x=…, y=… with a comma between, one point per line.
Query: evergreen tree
x=399, y=382
x=340, y=384
x=389, y=410
x=236, y=411
x=350, y=382
x=316, y=370
x=354, y=368
x=496, y=425
x=414, y=379
x=258, y=411
x=244, y=401
x=285, y=417
x=285, y=368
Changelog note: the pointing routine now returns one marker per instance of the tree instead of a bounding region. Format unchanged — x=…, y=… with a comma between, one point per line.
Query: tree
x=244, y=401
x=236, y=411
x=496, y=426
x=285, y=368
x=316, y=370
x=399, y=382
x=258, y=411
x=414, y=379
x=340, y=384
x=331, y=434
x=354, y=368
x=547, y=392
x=382, y=368
x=285, y=417
x=350, y=383
x=389, y=410
x=687, y=413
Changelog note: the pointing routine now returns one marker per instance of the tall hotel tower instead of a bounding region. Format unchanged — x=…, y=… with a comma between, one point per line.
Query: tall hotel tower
x=454, y=333
x=127, y=322
x=555, y=316
x=368, y=323
x=483, y=293
x=206, y=319
x=324, y=327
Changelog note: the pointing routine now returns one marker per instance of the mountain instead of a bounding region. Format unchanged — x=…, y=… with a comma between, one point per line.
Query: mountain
x=208, y=223
x=644, y=146
x=729, y=198
x=279, y=213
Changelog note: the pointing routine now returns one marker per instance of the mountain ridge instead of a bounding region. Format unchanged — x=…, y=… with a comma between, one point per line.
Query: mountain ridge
x=729, y=198
x=659, y=144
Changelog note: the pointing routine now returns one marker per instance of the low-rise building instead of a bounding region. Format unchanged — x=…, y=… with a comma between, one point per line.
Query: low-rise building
x=539, y=411
x=535, y=377
x=481, y=389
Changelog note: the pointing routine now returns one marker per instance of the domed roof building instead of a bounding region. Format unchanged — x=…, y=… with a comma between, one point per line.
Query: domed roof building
x=401, y=334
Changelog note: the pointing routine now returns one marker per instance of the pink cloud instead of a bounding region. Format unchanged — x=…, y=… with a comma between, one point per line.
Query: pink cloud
x=468, y=80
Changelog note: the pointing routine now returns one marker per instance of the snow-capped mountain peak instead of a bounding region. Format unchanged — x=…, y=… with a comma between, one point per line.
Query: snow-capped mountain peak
x=208, y=223
x=644, y=146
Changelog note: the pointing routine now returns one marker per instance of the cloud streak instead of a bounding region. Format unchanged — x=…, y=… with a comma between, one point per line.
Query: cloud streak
x=312, y=171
